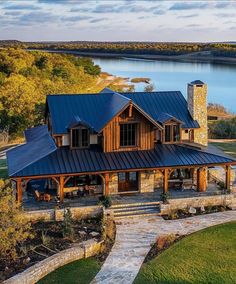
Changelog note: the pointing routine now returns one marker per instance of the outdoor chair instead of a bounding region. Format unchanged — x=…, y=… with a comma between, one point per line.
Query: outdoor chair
x=42, y=196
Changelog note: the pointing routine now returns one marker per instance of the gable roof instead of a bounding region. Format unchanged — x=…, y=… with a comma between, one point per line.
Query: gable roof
x=165, y=117
x=35, y=132
x=98, y=109
x=173, y=103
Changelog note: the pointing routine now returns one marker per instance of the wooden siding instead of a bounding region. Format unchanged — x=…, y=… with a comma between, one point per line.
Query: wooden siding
x=145, y=132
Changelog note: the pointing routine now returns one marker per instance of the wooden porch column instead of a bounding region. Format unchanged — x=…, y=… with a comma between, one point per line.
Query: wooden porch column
x=227, y=177
x=19, y=190
x=165, y=182
x=106, y=184
x=61, y=188
x=202, y=179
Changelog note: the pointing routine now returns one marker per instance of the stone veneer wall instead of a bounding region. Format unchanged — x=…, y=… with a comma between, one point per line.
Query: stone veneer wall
x=113, y=183
x=46, y=266
x=158, y=180
x=185, y=203
x=146, y=181
x=57, y=214
x=197, y=105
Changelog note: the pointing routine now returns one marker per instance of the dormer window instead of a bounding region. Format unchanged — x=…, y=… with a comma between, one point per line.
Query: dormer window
x=79, y=137
x=172, y=133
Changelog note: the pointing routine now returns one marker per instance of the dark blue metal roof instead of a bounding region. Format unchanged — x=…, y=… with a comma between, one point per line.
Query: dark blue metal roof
x=22, y=156
x=95, y=109
x=65, y=161
x=98, y=109
x=173, y=103
x=35, y=132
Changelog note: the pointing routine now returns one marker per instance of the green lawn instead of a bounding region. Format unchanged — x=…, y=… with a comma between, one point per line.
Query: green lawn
x=79, y=272
x=208, y=256
x=3, y=169
x=229, y=147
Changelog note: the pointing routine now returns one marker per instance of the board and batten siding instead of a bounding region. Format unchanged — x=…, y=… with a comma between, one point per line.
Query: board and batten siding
x=145, y=132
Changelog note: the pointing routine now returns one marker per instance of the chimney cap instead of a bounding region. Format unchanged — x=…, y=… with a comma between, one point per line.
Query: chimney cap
x=197, y=82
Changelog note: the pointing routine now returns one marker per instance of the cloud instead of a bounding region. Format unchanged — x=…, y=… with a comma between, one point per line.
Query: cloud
x=188, y=5
x=62, y=2
x=188, y=16
x=74, y=18
x=97, y=20
x=37, y=17
x=21, y=7
x=226, y=15
x=12, y=13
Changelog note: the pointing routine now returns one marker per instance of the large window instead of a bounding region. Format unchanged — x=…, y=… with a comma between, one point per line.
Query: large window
x=128, y=134
x=79, y=138
x=172, y=133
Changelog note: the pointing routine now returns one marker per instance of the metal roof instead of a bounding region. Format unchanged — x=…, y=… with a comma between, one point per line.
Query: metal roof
x=22, y=156
x=98, y=109
x=35, y=132
x=197, y=82
x=65, y=161
x=173, y=103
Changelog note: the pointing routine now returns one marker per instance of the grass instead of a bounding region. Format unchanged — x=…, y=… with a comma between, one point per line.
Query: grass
x=228, y=147
x=208, y=256
x=3, y=169
x=80, y=272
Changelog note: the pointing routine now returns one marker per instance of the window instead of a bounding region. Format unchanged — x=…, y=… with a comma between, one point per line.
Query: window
x=172, y=133
x=128, y=134
x=176, y=133
x=167, y=133
x=80, y=138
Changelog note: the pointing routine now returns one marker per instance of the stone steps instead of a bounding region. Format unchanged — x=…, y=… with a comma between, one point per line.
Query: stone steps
x=136, y=209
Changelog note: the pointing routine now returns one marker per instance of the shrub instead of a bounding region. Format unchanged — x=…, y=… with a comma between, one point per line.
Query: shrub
x=67, y=224
x=164, y=197
x=105, y=201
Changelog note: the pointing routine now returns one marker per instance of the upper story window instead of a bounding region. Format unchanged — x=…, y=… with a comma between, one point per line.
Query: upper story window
x=79, y=137
x=128, y=134
x=172, y=133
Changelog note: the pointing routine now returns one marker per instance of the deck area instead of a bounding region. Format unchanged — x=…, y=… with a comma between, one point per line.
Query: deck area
x=29, y=203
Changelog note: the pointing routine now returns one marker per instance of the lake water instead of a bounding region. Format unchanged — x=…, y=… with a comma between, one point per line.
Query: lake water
x=168, y=76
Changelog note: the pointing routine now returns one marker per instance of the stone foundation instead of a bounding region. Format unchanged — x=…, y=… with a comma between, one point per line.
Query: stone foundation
x=146, y=181
x=78, y=213
x=158, y=180
x=185, y=203
x=48, y=265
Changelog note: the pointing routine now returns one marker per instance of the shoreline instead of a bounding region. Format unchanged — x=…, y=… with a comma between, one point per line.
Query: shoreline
x=178, y=58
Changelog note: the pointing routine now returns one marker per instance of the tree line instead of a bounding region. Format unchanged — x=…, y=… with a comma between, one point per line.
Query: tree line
x=27, y=77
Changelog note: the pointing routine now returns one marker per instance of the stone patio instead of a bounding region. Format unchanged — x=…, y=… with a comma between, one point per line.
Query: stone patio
x=135, y=236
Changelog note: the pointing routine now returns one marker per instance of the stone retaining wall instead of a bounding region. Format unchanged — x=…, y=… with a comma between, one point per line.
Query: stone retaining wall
x=184, y=203
x=46, y=266
x=57, y=214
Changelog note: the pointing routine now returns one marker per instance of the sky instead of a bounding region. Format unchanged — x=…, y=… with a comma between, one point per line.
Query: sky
x=118, y=20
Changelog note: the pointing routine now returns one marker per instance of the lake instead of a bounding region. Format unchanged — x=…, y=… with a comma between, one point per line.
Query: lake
x=169, y=75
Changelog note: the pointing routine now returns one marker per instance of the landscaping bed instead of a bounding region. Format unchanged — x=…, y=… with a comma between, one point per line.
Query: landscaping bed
x=208, y=256
x=50, y=238
x=190, y=212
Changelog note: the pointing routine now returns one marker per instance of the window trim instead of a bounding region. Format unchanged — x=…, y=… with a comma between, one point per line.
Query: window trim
x=79, y=138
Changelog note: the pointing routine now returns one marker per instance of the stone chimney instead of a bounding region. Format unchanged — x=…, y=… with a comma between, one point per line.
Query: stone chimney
x=197, y=106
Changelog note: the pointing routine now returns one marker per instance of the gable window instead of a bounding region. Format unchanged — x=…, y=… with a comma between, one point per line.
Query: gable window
x=79, y=138
x=128, y=134
x=172, y=133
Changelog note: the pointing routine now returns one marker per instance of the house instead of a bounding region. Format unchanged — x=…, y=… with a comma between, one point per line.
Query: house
x=118, y=143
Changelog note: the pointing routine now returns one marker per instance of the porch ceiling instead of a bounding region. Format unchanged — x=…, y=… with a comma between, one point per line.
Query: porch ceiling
x=66, y=162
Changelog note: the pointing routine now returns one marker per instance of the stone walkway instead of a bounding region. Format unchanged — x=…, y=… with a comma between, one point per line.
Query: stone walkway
x=135, y=236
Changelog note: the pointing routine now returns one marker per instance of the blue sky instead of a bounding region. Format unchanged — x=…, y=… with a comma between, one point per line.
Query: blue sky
x=118, y=20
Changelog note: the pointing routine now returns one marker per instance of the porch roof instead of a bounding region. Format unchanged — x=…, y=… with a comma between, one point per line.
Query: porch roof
x=93, y=160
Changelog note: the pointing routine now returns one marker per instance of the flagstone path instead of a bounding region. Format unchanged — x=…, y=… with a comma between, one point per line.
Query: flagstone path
x=135, y=236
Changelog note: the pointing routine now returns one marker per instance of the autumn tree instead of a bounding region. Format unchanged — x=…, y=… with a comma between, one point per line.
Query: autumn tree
x=14, y=227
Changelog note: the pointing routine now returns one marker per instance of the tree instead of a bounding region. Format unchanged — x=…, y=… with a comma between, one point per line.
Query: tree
x=149, y=88
x=14, y=227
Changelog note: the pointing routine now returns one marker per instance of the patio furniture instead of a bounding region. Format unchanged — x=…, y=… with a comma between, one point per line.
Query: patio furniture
x=42, y=196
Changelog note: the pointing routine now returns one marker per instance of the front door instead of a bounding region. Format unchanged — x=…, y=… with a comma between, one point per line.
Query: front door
x=127, y=181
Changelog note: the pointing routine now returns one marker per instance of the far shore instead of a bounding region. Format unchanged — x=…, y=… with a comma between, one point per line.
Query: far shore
x=181, y=58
